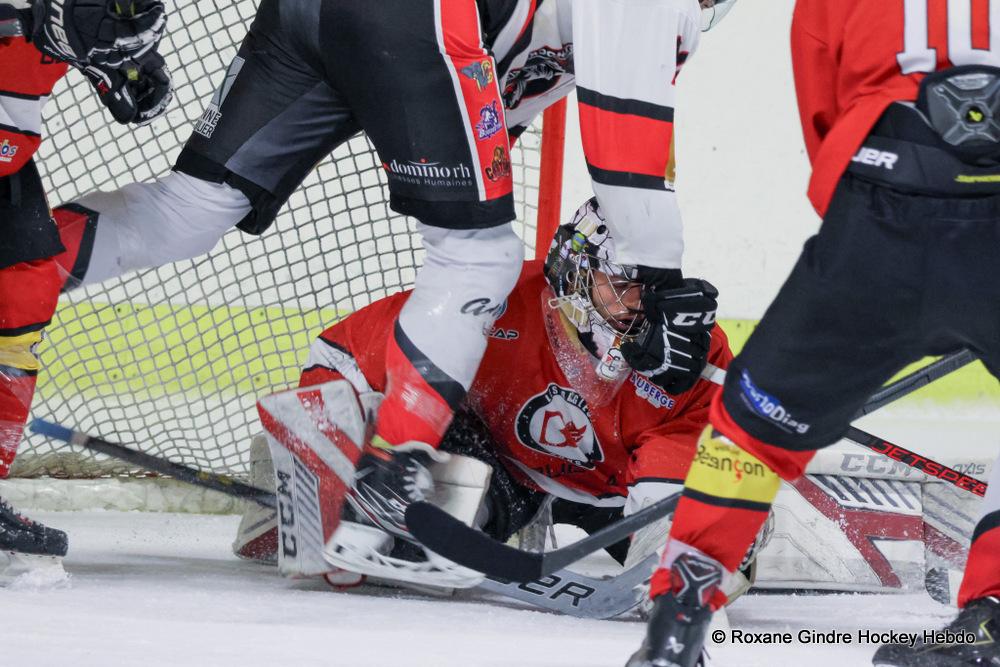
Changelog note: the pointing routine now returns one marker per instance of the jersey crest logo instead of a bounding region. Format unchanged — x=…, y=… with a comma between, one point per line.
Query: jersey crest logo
x=489, y=121
x=481, y=72
x=557, y=422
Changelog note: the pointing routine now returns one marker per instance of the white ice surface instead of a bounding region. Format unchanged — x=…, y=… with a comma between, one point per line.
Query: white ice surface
x=163, y=589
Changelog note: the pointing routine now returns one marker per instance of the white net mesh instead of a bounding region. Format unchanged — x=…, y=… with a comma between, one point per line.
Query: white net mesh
x=171, y=360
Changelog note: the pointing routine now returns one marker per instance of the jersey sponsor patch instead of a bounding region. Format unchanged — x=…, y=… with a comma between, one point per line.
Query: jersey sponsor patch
x=769, y=408
x=500, y=166
x=481, y=72
x=7, y=151
x=423, y=172
x=649, y=391
x=557, y=422
x=489, y=121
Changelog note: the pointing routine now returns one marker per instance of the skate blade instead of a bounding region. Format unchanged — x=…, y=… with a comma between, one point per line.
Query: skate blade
x=20, y=571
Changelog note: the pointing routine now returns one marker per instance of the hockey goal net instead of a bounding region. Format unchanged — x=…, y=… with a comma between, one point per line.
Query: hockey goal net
x=171, y=360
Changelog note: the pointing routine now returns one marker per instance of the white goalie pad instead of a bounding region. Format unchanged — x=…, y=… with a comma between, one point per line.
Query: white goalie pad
x=315, y=436
x=862, y=522
x=460, y=486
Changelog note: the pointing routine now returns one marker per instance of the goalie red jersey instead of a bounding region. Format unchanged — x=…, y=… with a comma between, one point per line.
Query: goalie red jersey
x=580, y=442
x=853, y=59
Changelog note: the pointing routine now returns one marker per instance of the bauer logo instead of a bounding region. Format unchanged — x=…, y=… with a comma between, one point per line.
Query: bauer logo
x=769, y=407
x=876, y=158
x=557, y=422
x=431, y=174
x=7, y=151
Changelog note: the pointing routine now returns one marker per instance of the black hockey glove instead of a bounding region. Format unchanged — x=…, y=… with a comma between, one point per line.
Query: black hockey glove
x=101, y=33
x=137, y=94
x=674, y=349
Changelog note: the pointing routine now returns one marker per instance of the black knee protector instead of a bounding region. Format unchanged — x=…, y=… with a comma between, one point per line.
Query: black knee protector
x=27, y=231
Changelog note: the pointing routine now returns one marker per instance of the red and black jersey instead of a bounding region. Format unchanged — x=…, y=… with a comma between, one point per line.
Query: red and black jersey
x=548, y=433
x=26, y=81
x=853, y=59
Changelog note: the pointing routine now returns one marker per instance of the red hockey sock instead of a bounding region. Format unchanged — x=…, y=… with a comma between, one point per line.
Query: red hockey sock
x=420, y=398
x=28, y=295
x=982, y=572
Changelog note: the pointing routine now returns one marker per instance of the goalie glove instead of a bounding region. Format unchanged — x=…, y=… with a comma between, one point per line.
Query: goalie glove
x=103, y=33
x=137, y=94
x=673, y=350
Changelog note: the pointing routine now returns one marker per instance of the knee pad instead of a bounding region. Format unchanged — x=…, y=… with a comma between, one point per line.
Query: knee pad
x=27, y=232
x=492, y=257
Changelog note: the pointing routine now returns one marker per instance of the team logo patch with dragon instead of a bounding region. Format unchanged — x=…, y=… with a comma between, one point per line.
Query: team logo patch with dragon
x=557, y=422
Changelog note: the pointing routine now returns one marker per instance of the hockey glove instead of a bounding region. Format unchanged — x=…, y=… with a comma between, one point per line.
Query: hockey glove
x=138, y=94
x=102, y=33
x=674, y=348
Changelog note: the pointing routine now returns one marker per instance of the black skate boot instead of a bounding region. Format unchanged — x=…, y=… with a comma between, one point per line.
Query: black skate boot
x=28, y=545
x=388, y=480
x=681, y=616
x=971, y=639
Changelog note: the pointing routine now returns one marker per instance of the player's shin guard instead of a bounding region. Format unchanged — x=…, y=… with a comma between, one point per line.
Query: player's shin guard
x=982, y=570
x=440, y=336
x=28, y=295
x=726, y=499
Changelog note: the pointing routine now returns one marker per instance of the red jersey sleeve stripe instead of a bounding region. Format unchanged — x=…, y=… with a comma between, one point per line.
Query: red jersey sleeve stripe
x=624, y=142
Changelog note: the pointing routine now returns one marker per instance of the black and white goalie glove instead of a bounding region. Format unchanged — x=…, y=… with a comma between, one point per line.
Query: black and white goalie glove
x=138, y=93
x=673, y=350
x=101, y=33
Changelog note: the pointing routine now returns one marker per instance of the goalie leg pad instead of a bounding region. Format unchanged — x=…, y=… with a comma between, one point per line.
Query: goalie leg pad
x=257, y=536
x=315, y=435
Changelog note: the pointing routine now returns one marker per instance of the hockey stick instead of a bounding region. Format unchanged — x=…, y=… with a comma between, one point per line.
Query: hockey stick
x=578, y=595
x=208, y=480
x=443, y=534
x=564, y=592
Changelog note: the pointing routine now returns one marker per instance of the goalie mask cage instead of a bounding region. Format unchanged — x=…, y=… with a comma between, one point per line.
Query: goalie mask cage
x=171, y=360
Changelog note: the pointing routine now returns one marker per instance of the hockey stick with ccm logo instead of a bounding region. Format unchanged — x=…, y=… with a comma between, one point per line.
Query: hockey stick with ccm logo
x=449, y=537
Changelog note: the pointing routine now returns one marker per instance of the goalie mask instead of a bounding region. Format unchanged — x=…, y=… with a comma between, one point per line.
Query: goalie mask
x=597, y=295
x=713, y=11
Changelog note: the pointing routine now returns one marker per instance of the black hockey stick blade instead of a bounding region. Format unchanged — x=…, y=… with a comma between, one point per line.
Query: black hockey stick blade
x=208, y=480
x=444, y=534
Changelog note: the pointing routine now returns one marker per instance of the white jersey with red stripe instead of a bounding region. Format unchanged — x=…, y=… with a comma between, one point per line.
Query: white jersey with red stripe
x=623, y=57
